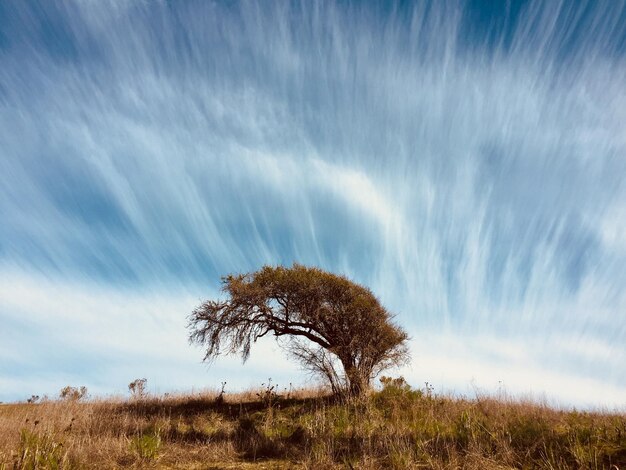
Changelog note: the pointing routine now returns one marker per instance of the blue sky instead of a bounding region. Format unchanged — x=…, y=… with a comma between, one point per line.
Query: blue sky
x=465, y=160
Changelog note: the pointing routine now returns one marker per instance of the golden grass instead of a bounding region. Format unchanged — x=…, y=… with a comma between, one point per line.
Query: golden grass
x=396, y=428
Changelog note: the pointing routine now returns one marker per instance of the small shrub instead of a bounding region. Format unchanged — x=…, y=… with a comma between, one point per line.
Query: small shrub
x=396, y=391
x=137, y=388
x=399, y=383
x=268, y=393
x=219, y=400
x=146, y=446
x=33, y=399
x=73, y=393
x=529, y=431
x=39, y=451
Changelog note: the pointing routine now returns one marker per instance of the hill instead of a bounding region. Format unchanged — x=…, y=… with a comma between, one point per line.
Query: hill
x=394, y=428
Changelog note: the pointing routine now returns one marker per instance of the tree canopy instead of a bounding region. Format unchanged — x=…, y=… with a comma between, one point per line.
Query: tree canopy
x=325, y=321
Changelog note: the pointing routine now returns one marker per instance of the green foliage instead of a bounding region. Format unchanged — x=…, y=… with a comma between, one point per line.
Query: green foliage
x=147, y=446
x=396, y=393
x=527, y=431
x=468, y=428
x=398, y=387
x=39, y=452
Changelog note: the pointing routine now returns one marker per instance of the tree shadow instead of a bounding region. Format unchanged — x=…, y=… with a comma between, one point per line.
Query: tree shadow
x=193, y=407
x=245, y=432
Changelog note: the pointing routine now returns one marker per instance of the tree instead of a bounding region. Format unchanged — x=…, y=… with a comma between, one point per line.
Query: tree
x=332, y=325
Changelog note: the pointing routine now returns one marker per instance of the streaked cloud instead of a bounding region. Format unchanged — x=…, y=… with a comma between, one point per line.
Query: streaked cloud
x=470, y=170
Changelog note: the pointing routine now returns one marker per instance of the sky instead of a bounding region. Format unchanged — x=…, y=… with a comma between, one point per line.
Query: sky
x=465, y=160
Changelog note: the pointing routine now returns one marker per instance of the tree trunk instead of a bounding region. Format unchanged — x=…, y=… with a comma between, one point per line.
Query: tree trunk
x=358, y=381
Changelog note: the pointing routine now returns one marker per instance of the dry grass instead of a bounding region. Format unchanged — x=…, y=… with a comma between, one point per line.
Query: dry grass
x=396, y=428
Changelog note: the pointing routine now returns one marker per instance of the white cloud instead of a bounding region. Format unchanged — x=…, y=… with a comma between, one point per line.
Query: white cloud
x=475, y=190
x=118, y=335
x=467, y=365
x=103, y=337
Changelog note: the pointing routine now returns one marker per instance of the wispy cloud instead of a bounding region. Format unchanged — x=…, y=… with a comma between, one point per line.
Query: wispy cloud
x=467, y=166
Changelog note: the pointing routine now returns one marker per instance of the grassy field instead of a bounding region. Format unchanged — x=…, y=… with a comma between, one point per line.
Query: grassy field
x=394, y=428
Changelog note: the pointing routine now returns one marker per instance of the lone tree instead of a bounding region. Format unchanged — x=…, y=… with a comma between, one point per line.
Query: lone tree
x=333, y=326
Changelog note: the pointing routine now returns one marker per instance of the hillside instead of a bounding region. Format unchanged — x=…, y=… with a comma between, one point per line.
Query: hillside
x=394, y=428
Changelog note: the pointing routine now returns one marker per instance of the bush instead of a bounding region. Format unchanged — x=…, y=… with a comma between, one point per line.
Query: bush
x=33, y=399
x=73, y=393
x=146, y=446
x=39, y=451
x=398, y=388
x=137, y=388
x=268, y=395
